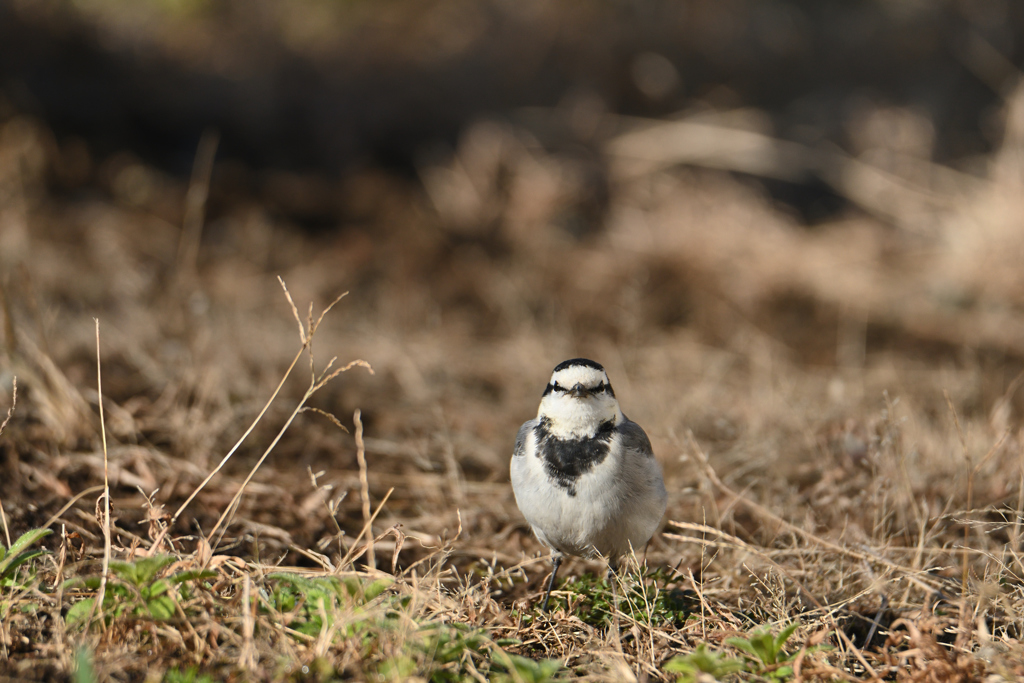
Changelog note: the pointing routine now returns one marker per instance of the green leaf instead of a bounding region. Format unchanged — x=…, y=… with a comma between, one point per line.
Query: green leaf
x=531, y=671
x=701, y=661
x=155, y=589
x=29, y=538
x=191, y=575
x=762, y=647
x=11, y=564
x=79, y=612
x=397, y=668
x=189, y=675
x=377, y=587
x=162, y=608
x=18, y=554
x=785, y=634
x=141, y=571
x=744, y=645
x=88, y=582
x=85, y=672
x=352, y=585
x=783, y=672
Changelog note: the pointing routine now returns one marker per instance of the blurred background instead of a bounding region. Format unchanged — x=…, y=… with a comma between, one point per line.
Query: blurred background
x=792, y=227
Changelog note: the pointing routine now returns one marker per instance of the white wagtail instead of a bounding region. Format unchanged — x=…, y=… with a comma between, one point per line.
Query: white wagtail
x=584, y=475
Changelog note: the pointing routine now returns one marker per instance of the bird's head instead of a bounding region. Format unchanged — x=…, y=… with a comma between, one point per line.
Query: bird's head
x=578, y=399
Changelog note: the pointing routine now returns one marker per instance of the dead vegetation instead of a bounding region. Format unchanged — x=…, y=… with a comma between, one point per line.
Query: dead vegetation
x=837, y=409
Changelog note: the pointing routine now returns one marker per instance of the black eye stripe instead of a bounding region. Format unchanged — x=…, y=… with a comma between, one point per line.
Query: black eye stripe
x=603, y=388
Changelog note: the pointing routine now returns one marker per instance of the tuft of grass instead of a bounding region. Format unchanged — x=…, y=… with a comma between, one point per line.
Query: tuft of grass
x=650, y=597
x=394, y=639
x=763, y=655
x=517, y=668
x=701, y=662
x=141, y=592
x=311, y=603
x=189, y=675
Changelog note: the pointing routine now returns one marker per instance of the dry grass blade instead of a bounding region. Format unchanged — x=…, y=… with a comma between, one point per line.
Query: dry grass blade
x=399, y=542
x=3, y=518
x=325, y=378
x=195, y=203
x=295, y=312
x=97, y=605
x=330, y=416
x=858, y=654
x=14, y=404
x=10, y=339
x=3, y=425
x=364, y=486
x=1015, y=535
x=355, y=552
x=249, y=658
x=964, y=626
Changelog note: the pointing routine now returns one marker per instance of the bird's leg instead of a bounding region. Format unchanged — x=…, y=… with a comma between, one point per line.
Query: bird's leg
x=556, y=562
x=613, y=580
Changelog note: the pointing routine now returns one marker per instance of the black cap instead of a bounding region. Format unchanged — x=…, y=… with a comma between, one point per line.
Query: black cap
x=574, y=362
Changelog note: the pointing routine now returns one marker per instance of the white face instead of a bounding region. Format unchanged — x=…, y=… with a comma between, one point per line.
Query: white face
x=577, y=400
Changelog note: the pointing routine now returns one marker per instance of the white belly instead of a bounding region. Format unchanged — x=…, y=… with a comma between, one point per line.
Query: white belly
x=609, y=514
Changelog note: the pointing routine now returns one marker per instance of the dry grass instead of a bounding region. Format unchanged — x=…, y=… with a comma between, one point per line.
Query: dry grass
x=837, y=410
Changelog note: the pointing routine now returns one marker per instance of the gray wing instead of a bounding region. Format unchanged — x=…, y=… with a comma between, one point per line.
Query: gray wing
x=647, y=494
x=521, y=437
x=634, y=438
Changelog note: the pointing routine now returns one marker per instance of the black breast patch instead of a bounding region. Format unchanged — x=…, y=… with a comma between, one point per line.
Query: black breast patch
x=565, y=460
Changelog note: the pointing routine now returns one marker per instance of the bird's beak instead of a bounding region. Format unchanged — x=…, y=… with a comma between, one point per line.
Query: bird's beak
x=578, y=391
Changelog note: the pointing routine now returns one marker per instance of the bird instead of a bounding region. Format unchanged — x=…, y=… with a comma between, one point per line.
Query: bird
x=583, y=474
